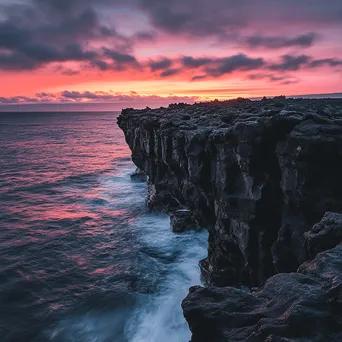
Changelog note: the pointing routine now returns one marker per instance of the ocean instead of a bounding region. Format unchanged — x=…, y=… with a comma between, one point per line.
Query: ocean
x=81, y=258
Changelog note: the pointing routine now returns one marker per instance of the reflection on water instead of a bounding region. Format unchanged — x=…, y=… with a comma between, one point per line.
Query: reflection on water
x=80, y=257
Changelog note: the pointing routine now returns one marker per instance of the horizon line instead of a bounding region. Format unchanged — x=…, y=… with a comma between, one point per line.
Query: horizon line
x=38, y=107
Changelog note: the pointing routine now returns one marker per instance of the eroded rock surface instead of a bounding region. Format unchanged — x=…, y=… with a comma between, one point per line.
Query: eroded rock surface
x=325, y=234
x=182, y=220
x=290, y=307
x=265, y=179
x=257, y=174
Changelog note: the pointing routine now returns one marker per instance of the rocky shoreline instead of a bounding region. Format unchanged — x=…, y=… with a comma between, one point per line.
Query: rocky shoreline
x=265, y=178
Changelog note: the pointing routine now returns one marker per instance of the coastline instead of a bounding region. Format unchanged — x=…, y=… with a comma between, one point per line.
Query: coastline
x=260, y=176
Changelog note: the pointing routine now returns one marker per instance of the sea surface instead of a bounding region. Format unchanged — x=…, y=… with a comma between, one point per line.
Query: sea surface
x=81, y=258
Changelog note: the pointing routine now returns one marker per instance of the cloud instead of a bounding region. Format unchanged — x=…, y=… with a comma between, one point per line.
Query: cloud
x=72, y=36
x=170, y=72
x=191, y=62
x=237, y=62
x=278, y=42
x=12, y=36
x=36, y=32
x=294, y=63
x=290, y=63
x=218, y=67
x=221, y=18
x=144, y=36
x=119, y=61
x=198, y=77
x=99, y=97
x=18, y=99
x=163, y=63
x=332, y=62
x=282, y=79
x=32, y=56
x=119, y=57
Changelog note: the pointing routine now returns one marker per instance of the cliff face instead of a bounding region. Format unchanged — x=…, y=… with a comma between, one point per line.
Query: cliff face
x=290, y=307
x=296, y=307
x=257, y=175
x=264, y=178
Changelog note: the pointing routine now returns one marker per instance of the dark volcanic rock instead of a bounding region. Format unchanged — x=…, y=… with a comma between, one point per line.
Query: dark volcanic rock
x=182, y=220
x=259, y=176
x=256, y=174
x=161, y=200
x=298, y=307
x=325, y=234
x=139, y=176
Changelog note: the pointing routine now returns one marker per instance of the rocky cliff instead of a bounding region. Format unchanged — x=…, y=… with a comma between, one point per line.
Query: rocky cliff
x=257, y=174
x=290, y=307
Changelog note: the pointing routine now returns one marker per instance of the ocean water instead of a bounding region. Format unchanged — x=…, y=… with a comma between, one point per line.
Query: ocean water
x=81, y=259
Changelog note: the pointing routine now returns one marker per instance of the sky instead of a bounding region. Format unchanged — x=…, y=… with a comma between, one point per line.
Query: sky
x=138, y=53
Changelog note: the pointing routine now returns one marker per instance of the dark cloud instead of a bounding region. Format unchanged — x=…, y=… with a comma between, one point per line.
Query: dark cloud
x=12, y=36
x=198, y=77
x=102, y=65
x=332, y=62
x=304, y=41
x=290, y=63
x=32, y=56
x=115, y=60
x=293, y=63
x=119, y=57
x=222, y=18
x=282, y=79
x=34, y=33
x=37, y=32
x=190, y=17
x=217, y=67
x=191, y=62
x=18, y=99
x=144, y=36
x=163, y=63
x=87, y=95
x=230, y=64
x=170, y=72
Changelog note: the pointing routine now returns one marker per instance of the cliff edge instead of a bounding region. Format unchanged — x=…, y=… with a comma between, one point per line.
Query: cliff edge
x=257, y=174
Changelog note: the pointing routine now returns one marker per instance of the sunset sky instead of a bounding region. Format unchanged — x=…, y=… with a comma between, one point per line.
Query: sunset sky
x=153, y=52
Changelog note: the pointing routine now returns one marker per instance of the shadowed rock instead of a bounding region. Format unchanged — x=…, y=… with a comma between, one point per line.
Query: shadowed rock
x=298, y=307
x=325, y=234
x=256, y=174
x=182, y=220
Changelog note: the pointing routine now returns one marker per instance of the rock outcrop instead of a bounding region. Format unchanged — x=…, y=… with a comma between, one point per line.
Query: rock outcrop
x=256, y=174
x=297, y=307
x=259, y=175
x=324, y=235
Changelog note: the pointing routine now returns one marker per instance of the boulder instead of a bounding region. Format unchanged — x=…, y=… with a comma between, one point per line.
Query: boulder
x=290, y=307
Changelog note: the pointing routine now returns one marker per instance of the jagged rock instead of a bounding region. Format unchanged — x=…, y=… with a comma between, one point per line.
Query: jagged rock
x=182, y=220
x=291, y=307
x=325, y=234
x=139, y=176
x=161, y=201
x=256, y=174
